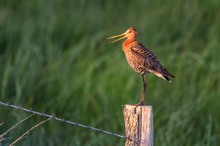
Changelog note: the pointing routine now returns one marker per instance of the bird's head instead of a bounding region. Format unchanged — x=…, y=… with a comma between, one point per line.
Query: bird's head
x=130, y=33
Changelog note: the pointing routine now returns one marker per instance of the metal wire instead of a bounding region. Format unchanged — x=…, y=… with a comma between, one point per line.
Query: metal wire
x=63, y=120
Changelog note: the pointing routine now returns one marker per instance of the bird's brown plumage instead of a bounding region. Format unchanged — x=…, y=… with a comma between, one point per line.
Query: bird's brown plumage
x=143, y=61
x=140, y=58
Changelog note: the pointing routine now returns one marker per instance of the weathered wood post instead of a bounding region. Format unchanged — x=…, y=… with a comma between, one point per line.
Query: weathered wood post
x=138, y=125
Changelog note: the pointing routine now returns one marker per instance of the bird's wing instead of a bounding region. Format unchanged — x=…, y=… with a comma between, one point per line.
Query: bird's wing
x=151, y=62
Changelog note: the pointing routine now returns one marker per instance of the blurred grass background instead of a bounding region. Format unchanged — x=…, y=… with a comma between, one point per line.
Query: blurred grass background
x=53, y=59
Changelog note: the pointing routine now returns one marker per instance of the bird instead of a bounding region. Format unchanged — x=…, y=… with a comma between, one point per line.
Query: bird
x=141, y=59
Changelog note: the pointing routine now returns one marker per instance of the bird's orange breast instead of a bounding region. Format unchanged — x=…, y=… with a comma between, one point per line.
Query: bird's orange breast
x=134, y=60
x=127, y=45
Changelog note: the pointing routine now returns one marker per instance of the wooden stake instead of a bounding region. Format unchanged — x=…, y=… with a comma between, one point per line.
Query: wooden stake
x=138, y=125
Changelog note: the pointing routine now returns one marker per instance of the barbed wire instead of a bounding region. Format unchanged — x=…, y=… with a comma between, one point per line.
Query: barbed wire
x=63, y=120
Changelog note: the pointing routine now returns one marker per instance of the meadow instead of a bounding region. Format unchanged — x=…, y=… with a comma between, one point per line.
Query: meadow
x=54, y=59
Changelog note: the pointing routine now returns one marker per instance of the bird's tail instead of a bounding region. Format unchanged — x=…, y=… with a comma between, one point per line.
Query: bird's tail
x=166, y=74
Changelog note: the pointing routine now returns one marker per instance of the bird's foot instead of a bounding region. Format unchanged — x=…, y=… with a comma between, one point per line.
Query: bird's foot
x=141, y=103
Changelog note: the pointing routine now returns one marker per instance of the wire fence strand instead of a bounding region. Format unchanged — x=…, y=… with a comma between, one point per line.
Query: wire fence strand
x=63, y=120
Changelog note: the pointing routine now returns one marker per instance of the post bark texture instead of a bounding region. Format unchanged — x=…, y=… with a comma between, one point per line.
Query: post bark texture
x=138, y=125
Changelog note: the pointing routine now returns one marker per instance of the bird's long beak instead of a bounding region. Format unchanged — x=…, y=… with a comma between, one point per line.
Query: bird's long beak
x=116, y=36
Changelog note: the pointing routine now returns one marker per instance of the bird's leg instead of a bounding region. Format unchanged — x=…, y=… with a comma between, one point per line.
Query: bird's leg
x=143, y=90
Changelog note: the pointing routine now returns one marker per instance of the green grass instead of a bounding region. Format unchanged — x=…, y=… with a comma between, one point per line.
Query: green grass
x=53, y=59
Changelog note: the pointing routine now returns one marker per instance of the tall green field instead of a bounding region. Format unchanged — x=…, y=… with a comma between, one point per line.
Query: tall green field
x=54, y=59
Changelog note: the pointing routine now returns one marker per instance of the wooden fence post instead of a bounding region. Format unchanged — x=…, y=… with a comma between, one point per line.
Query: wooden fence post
x=138, y=125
